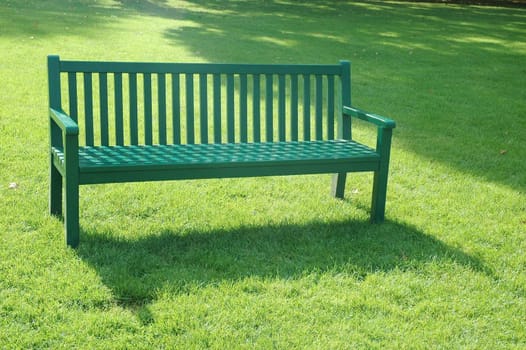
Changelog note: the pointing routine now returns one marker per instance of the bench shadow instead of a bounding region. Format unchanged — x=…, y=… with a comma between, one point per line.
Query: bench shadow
x=169, y=262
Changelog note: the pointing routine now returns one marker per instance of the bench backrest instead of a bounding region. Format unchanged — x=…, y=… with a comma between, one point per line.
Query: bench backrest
x=126, y=103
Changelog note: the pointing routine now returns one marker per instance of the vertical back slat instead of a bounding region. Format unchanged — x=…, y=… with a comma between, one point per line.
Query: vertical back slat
x=72, y=93
x=319, y=107
x=230, y=108
x=54, y=87
x=161, y=93
x=148, y=123
x=269, y=108
x=189, y=92
x=103, y=99
x=298, y=106
x=203, y=105
x=134, y=129
x=256, y=117
x=281, y=108
x=176, y=109
x=217, y=108
x=306, y=107
x=55, y=102
x=294, y=108
x=119, y=115
x=88, y=108
x=243, y=108
x=330, y=107
x=345, y=123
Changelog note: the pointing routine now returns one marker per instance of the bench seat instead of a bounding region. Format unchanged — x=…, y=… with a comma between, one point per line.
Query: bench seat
x=104, y=164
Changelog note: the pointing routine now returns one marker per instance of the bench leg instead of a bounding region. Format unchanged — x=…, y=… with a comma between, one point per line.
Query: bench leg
x=379, y=195
x=338, y=185
x=71, y=219
x=55, y=191
x=383, y=146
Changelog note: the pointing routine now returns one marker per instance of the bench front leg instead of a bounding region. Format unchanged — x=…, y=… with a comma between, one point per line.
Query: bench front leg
x=71, y=190
x=383, y=147
x=71, y=217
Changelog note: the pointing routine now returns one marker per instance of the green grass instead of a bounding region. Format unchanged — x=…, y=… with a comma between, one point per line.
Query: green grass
x=276, y=262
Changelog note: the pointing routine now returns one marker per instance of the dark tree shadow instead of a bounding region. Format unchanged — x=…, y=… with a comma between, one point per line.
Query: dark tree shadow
x=135, y=269
x=400, y=52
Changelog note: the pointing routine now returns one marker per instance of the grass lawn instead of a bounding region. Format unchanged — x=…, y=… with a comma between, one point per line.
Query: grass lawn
x=276, y=262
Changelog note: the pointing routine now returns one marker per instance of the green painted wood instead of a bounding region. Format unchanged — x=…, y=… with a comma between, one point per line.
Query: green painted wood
x=379, y=195
x=319, y=107
x=331, y=151
x=200, y=156
x=294, y=121
x=134, y=127
x=161, y=98
x=69, y=133
x=282, y=117
x=269, y=107
x=54, y=90
x=103, y=106
x=330, y=107
x=73, y=96
x=64, y=124
x=306, y=107
x=176, y=108
x=189, y=92
x=256, y=111
x=148, y=122
x=217, y=108
x=230, y=114
x=375, y=119
x=338, y=185
x=71, y=190
x=55, y=190
x=243, y=108
x=88, y=109
x=246, y=170
x=203, y=105
x=344, y=126
x=198, y=68
x=345, y=123
x=55, y=135
x=119, y=109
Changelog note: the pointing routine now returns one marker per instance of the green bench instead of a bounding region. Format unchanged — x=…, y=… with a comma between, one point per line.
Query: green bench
x=131, y=121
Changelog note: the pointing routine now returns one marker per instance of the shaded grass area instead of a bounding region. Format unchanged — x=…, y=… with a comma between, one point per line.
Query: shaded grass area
x=498, y=3
x=448, y=59
x=275, y=262
x=181, y=263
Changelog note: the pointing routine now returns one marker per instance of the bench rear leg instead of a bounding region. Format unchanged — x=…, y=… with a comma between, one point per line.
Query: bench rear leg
x=71, y=218
x=55, y=191
x=338, y=185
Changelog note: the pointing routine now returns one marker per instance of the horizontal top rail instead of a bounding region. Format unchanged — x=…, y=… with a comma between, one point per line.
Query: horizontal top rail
x=198, y=68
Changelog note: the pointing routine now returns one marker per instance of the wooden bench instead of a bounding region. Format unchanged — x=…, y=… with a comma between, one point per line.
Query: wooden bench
x=130, y=121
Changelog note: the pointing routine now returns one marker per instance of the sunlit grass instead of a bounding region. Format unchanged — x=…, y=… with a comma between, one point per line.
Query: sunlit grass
x=276, y=262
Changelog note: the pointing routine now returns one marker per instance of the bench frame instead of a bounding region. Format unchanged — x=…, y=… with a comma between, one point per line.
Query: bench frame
x=68, y=172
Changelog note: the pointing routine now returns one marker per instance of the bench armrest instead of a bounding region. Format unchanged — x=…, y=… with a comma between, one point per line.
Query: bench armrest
x=64, y=122
x=378, y=120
